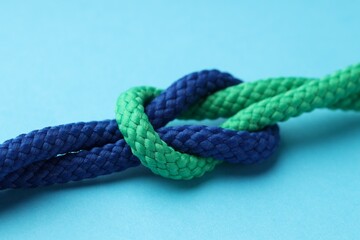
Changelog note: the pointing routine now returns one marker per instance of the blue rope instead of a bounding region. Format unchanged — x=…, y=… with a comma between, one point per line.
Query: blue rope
x=77, y=151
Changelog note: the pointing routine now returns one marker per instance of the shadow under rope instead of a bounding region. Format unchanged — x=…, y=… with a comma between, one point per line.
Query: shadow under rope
x=321, y=130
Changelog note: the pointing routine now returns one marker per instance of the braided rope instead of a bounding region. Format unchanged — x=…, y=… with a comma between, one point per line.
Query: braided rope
x=77, y=151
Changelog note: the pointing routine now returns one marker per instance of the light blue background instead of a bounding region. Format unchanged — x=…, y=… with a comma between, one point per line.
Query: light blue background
x=67, y=61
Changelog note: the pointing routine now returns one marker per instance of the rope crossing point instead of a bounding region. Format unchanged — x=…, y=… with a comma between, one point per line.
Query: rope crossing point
x=78, y=151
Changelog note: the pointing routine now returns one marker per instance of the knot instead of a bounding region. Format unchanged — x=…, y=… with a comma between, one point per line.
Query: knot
x=193, y=150
x=251, y=106
x=77, y=151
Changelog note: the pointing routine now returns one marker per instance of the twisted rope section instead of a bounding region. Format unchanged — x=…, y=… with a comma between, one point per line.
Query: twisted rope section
x=285, y=99
x=77, y=151
x=341, y=89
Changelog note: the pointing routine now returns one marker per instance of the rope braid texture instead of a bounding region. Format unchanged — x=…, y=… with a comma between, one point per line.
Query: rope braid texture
x=250, y=135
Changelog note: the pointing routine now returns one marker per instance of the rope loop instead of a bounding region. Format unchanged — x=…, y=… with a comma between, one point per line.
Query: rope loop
x=252, y=106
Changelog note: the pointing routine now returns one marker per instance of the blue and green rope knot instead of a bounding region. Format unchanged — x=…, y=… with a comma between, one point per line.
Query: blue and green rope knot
x=77, y=151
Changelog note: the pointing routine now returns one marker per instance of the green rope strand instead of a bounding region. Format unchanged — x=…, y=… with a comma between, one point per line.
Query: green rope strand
x=249, y=106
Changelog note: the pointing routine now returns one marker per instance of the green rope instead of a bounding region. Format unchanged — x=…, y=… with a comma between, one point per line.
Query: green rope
x=249, y=106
